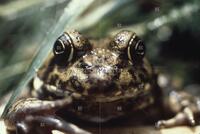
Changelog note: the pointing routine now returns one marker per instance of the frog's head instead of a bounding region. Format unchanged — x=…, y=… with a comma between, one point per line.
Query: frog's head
x=97, y=68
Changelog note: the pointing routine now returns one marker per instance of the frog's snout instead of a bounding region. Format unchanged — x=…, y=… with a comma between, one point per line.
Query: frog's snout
x=99, y=71
x=101, y=75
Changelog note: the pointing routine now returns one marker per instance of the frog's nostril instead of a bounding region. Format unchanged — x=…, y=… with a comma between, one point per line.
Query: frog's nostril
x=86, y=68
x=84, y=65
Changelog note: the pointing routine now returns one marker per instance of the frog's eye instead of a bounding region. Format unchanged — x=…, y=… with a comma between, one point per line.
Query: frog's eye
x=121, y=40
x=129, y=43
x=63, y=47
x=136, y=49
x=69, y=43
x=79, y=42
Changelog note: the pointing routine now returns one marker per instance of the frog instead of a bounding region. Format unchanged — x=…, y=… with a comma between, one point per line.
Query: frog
x=96, y=80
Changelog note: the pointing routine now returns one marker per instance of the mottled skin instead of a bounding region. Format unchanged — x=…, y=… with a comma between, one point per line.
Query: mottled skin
x=97, y=81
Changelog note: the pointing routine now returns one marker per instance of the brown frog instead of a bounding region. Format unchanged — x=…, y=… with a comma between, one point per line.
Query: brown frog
x=96, y=81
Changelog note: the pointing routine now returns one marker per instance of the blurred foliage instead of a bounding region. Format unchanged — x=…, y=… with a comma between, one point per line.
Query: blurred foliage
x=170, y=28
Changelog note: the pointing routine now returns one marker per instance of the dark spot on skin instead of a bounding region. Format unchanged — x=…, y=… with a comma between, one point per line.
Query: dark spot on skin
x=79, y=106
x=141, y=75
x=116, y=72
x=76, y=84
x=45, y=94
x=99, y=86
x=53, y=79
x=132, y=71
x=63, y=85
x=46, y=71
x=122, y=63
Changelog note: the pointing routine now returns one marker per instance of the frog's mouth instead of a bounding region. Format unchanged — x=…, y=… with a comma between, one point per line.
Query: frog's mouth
x=115, y=95
x=132, y=93
x=101, y=98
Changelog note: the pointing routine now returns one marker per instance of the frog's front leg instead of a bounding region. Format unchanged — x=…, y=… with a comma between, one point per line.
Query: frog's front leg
x=186, y=107
x=31, y=115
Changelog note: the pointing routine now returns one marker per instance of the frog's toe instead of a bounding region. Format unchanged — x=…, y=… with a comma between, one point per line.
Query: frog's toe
x=160, y=124
x=22, y=128
x=182, y=118
x=189, y=116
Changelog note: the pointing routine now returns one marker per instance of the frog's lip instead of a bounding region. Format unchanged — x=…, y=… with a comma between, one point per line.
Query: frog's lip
x=97, y=98
x=102, y=99
x=107, y=99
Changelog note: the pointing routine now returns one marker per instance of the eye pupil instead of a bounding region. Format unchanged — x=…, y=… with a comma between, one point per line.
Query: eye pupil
x=140, y=48
x=63, y=50
x=128, y=43
x=59, y=47
x=136, y=50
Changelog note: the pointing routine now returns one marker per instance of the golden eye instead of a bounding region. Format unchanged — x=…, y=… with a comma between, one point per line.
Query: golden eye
x=63, y=48
x=136, y=49
x=68, y=44
x=127, y=42
x=121, y=40
x=80, y=43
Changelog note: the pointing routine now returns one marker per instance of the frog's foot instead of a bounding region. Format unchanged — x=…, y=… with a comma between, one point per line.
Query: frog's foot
x=30, y=116
x=186, y=117
x=45, y=124
x=186, y=107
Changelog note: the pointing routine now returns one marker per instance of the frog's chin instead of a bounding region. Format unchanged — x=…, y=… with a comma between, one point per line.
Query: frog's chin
x=102, y=98
x=98, y=119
